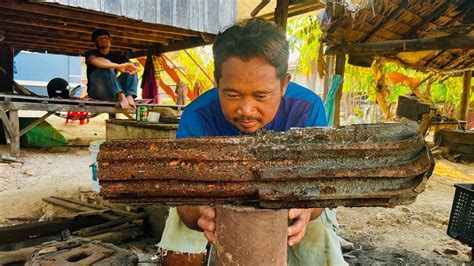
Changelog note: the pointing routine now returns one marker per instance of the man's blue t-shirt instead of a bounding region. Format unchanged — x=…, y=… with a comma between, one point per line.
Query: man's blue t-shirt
x=299, y=107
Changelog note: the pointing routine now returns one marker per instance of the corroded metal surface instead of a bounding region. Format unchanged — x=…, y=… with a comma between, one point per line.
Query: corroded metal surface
x=80, y=252
x=362, y=165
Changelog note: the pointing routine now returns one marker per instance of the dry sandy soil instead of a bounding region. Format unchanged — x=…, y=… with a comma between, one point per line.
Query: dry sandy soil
x=413, y=234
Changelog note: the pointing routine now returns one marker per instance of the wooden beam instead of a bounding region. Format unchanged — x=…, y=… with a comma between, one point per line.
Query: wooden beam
x=340, y=64
x=11, y=99
x=462, y=64
x=78, y=25
x=48, y=49
x=50, y=107
x=79, y=43
x=35, y=123
x=281, y=13
x=296, y=10
x=6, y=61
x=22, y=36
x=8, y=126
x=91, y=17
x=456, y=59
x=38, y=30
x=23, y=232
x=431, y=60
x=259, y=7
x=43, y=46
x=176, y=46
x=455, y=41
x=466, y=90
x=41, y=43
x=433, y=15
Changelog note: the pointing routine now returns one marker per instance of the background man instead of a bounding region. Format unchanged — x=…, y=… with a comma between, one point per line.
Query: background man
x=253, y=92
x=102, y=81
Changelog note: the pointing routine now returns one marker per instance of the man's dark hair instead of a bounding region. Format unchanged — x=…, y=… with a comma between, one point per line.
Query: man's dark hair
x=98, y=33
x=250, y=39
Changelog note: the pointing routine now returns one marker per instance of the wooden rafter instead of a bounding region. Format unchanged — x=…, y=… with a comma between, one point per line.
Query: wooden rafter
x=389, y=18
x=78, y=25
x=434, y=15
x=159, y=49
x=121, y=37
x=297, y=9
x=406, y=29
x=51, y=38
x=455, y=41
x=84, y=31
x=87, y=16
x=55, y=28
x=44, y=49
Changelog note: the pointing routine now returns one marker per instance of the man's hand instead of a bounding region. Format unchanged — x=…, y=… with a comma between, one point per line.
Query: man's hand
x=301, y=218
x=207, y=222
x=128, y=67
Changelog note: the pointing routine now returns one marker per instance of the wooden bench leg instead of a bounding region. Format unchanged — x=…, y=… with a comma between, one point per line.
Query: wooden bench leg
x=15, y=137
x=8, y=128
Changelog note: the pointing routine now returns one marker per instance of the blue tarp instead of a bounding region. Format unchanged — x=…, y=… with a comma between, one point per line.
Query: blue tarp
x=334, y=85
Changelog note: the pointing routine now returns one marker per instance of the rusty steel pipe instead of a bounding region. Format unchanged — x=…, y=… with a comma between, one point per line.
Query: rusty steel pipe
x=249, y=236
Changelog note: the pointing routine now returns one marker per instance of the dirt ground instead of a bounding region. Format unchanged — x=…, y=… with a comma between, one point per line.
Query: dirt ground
x=412, y=234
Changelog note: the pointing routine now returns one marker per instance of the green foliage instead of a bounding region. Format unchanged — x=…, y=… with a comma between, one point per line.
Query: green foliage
x=359, y=81
x=303, y=36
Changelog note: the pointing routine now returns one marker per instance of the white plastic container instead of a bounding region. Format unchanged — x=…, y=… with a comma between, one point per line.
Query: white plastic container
x=94, y=148
x=153, y=117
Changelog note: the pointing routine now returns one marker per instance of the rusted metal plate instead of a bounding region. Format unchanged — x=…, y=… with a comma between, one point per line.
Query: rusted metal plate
x=362, y=165
x=80, y=252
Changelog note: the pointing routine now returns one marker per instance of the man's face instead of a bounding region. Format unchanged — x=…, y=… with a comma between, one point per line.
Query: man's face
x=250, y=93
x=102, y=42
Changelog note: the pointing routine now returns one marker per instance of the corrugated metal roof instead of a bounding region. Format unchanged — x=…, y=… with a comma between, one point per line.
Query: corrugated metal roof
x=208, y=16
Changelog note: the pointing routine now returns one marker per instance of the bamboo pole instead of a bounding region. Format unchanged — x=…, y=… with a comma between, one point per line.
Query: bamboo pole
x=340, y=63
x=466, y=90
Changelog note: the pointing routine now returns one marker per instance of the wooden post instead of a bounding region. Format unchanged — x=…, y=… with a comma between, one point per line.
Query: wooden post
x=6, y=61
x=281, y=13
x=466, y=89
x=340, y=63
x=15, y=139
x=249, y=236
x=327, y=78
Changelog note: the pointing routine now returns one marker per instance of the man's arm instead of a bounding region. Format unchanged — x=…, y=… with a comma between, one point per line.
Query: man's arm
x=100, y=62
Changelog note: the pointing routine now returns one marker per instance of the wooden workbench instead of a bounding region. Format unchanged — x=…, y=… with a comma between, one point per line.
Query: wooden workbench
x=10, y=104
x=132, y=129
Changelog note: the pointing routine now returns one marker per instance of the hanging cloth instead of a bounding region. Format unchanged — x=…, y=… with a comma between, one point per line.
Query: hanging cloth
x=335, y=83
x=149, y=86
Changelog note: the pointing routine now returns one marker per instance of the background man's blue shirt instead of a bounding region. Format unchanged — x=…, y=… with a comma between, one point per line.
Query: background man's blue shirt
x=300, y=107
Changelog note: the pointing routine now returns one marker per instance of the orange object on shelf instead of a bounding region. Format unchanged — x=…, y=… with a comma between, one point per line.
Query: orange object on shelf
x=83, y=117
